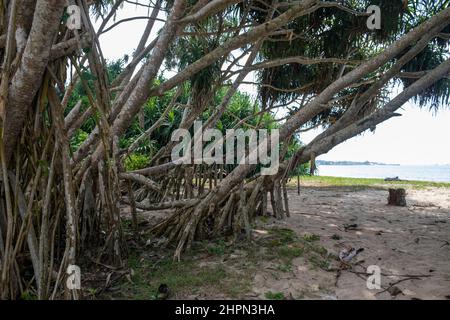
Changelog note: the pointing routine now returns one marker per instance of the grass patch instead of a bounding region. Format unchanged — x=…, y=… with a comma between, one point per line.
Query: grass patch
x=182, y=278
x=206, y=269
x=274, y=295
x=311, y=237
x=264, y=219
x=290, y=252
x=284, y=245
x=361, y=183
x=285, y=267
x=26, y=295
x=282, y=236
x=217, y=248
x=319, y=262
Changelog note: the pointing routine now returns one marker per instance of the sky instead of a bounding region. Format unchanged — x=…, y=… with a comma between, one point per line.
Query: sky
x=418, y=137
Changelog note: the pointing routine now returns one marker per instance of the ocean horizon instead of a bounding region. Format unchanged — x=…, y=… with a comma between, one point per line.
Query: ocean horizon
x=434, y=173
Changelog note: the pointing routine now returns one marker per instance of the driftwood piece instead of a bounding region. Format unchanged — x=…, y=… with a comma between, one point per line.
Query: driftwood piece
x=397, y=197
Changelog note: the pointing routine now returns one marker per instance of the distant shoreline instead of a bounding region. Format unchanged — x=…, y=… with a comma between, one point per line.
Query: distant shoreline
x=353, y=163
x=367, y=182
x=403, y=172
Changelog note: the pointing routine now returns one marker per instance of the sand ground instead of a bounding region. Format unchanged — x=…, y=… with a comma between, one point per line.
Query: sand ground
x=411, y=244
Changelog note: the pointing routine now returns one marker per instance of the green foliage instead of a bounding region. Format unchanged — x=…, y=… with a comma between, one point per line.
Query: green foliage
x=332, y=32
x=182, y=278
x=274, y=295
x=431, y=57
x=311, y=237
x=327, y=32
x=319, y=262
x=363, y=183
x=78, y=138
x=113, y=69
x=217, y=248
x=242, y=106
x=285, y=267
x=290, y=252
x=101, y=7
x=178, y=276
x=283, y=236
x=136, y=161
x=293, y=148
x=27, y=295
x=284, y=245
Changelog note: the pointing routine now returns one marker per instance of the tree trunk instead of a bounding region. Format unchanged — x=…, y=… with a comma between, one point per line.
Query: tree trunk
x=397, y=197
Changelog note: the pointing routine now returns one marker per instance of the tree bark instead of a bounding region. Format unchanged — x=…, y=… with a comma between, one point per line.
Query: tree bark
x=28, y=78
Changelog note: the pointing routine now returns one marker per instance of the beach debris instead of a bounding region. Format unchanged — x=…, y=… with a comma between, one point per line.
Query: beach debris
x=397, y=197
x=425, y=205
x=392, y=179
x=347, y=254
x=352, y=226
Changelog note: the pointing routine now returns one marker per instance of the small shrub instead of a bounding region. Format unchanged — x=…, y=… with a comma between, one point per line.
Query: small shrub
x=26, y=295
x=274, y=295
x=319, y=262
x=284, y=267
x=78, y=138
x=283, y=236
x=136, y=161
x=290, y=252
x=311, y=237
x=217, y=248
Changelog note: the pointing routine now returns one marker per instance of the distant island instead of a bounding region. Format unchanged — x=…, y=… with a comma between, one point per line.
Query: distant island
x=352, y=163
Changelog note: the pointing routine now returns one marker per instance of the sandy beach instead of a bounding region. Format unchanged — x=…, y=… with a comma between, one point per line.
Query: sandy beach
x=410, y=244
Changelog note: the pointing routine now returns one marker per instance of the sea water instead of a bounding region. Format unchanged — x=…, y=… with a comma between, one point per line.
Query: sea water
x=437, y=173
